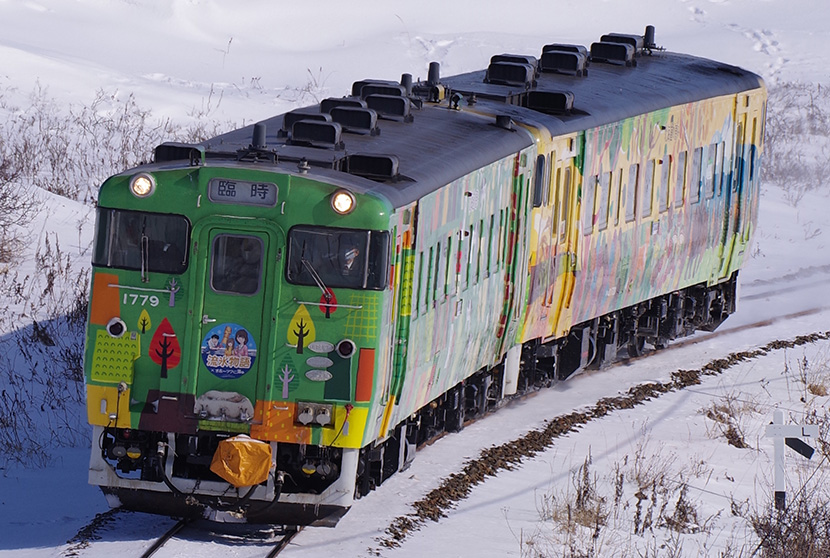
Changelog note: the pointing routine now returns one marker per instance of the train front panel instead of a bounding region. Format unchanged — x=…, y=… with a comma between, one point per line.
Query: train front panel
x=233, y=301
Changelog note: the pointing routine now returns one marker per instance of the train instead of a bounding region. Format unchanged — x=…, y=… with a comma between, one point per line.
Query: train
x=281, y=315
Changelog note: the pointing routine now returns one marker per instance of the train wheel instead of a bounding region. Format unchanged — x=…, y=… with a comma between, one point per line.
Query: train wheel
x=636, y=344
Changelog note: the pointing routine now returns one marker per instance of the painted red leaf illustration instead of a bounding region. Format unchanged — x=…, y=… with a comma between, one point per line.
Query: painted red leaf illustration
x=164, y=347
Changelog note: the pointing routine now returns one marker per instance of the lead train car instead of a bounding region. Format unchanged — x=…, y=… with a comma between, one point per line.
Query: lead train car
x=346, y=281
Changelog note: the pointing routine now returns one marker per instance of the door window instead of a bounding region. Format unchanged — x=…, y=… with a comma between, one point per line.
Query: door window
x=236, y=266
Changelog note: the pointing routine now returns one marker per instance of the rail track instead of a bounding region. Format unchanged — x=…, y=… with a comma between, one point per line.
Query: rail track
x=258, y=542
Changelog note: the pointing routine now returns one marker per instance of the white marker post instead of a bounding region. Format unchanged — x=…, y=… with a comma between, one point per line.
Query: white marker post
x=788, y=434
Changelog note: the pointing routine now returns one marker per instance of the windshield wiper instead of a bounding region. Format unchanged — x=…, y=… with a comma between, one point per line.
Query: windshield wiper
x=317, y=279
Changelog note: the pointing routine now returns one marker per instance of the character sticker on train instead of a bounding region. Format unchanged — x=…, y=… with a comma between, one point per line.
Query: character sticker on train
x=228, y=351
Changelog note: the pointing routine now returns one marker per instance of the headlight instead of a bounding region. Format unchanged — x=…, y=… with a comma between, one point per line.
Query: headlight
x=142, y=185
x=342, y=201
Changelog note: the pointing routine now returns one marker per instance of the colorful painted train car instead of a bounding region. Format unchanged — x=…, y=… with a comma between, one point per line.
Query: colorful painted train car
x=280, y=315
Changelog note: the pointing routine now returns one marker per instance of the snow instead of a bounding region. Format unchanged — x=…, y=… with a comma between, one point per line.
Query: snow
x=242, y=61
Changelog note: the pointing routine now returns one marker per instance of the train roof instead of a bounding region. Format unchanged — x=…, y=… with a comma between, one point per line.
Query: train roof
x=391, y=140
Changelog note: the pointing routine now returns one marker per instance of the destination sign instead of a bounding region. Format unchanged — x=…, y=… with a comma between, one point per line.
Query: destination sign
x=224, y=190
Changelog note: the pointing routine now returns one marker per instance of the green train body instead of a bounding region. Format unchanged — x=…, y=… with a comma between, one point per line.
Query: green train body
x=345, y=282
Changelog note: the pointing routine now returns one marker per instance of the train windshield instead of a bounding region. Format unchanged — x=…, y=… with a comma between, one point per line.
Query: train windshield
x=136, y=240
x=329, y=257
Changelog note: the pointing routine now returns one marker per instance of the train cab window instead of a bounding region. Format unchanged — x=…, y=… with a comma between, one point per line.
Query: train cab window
x=680, y=182
x=631, y=192
x=331, y=257
x=136, y=240
x=236, y=264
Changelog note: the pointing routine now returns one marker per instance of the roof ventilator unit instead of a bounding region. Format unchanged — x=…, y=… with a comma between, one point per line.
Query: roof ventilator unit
x=356, y=120
x=563, y=62
x=327, y=104
x=174, y=151
x=290, y=118
x=620, y=54
x=565, y=47
x=380, y=168
x=391, y=107
x=635, y=41
x=511, y=73
x=550, y=102
x=317, y=133
x=380, y=89
x=359, y=85
x=516, y=59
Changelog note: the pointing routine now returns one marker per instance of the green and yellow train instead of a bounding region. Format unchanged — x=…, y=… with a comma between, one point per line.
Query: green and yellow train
x=280, y=315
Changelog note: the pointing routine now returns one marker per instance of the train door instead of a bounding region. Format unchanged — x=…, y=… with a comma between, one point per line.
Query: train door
x=235, y=321
x=515, y=255
x=564, y=239
x=735, y=190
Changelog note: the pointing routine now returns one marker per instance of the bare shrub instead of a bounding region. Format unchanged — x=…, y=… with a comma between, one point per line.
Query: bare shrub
x=797, y=144
x=17, y=207
x=71, y=151
x=727, y=414
x=802, y=530
x=41, y=370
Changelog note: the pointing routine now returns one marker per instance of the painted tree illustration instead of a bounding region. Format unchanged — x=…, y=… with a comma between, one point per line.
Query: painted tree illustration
x=144, y=322
x=286, y=378
x=164, y=348
x=301, y=332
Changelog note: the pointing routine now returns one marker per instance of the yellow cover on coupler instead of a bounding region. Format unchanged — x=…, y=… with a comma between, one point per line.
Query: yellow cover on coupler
x=242, y=461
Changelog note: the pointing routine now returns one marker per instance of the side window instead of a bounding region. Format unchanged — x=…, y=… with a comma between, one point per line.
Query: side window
x=236, y=264
x=479, y=249
x=539, y=185
x=694, y=181
x=419, y=289
x=619, y=198
x=709, y=169
x=755, y=140
x=501, y=251
x=604, y=198
x=588, y=204
x=490, y=245
x=471, y=248
x=631, y=192
x=680, y=182
x=665, y=172
x=718, y=177
x=648, y=189
x=563, y=209
x=430, y=289
x=437, y=287
x=451, y=276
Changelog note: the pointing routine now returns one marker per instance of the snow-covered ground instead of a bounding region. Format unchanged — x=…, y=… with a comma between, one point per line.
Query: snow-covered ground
x=242, y=61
